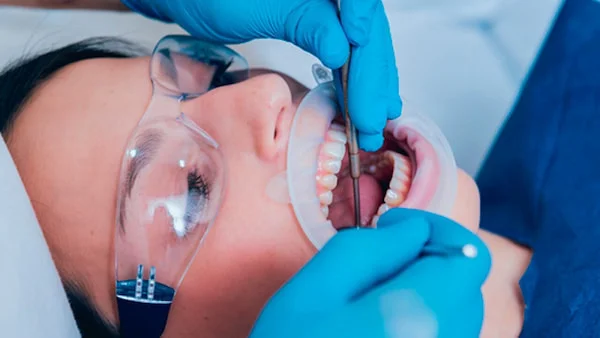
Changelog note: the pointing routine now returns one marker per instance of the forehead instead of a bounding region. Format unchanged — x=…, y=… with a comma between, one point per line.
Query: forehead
x=92, y=90
x=75, y=124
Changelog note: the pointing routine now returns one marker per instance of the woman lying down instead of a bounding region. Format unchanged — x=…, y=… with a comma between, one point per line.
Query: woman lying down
x=122, y=167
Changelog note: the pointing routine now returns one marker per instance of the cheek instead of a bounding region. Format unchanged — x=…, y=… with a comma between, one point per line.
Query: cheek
x=253, y=248
x=467, y=205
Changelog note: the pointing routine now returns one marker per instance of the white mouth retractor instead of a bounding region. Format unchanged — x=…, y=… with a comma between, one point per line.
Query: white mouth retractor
x=311, y=122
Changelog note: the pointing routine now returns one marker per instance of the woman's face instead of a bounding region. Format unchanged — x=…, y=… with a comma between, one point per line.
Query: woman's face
x=68, y=143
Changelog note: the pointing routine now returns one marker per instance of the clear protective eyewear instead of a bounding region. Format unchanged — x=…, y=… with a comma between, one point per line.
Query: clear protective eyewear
x=171, y=183
x=173, y=175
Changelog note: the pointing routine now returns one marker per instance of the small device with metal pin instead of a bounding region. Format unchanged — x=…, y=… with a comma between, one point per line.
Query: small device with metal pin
x=353, y=155
x=467, y=250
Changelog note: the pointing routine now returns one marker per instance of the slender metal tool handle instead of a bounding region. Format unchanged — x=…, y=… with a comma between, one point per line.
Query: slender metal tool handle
x=353, y=155
x=467, y=250
x=350, y=129
x=354, y=158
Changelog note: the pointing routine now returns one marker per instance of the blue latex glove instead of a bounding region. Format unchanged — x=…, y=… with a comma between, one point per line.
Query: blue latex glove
x=374, y=283
x=313, y=25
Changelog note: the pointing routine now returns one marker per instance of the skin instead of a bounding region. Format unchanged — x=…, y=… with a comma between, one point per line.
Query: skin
x=68, y=143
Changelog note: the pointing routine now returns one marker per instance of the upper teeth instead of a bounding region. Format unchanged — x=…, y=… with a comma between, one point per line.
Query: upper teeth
x=330, y=163
x=328, y=181
x=332, y=166
x=326, y=197
x=334, y=149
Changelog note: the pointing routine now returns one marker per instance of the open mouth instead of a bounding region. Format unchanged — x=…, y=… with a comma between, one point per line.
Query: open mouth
x=400, y=174
x=414, y=169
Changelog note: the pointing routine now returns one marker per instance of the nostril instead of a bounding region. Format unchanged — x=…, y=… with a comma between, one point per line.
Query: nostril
x=281, y=131
x=279, y=123
x=271, y=109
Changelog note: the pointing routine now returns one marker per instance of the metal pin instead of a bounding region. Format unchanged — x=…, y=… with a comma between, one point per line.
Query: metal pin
x=151, y=283
x=139, y=280
x=353, y=156
x=467, y=250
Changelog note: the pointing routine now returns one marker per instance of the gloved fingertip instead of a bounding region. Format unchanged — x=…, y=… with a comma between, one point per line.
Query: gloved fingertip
x=370, y=142
x=357, y=20
x=395, y=215
x=367, y=101
x=358, y=36
x=482, y=262
x=333, y=55
x=395, y=109
x=316, y=29
x=410, y=227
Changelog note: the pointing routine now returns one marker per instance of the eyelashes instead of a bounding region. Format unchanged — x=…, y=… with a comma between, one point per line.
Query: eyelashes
x=188, y=211
x=198, y=196
x=198, y=185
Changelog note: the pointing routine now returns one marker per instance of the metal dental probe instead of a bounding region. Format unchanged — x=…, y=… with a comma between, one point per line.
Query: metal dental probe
x=353, y=155
x=467, y=250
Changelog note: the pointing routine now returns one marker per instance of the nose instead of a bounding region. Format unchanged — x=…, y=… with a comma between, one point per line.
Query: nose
x=264, y=108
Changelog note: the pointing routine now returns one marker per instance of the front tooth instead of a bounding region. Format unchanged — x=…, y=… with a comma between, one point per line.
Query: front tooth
x=337, y=135
x=332, y=166
x=382, y=209
x=335, y=150
x=326, y=198
x=392, y=198
x=328, y=181
x=325, y=211
x=374, y=221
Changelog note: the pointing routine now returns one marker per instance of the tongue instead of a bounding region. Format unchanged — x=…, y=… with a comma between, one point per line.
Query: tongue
x=341, y=210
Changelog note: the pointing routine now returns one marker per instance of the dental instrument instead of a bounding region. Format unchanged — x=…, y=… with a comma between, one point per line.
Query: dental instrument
x=353, y=156
x=435, y=180
x=467, y=250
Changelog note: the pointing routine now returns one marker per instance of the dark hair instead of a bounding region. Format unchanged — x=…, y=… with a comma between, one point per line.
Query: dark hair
x=17, y=83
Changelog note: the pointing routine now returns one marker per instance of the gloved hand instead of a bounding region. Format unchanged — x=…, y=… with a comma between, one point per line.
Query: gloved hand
x=313, y=25
x=375, y=283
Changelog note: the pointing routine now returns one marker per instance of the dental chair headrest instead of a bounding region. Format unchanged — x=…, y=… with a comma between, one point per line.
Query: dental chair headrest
x=33, y=302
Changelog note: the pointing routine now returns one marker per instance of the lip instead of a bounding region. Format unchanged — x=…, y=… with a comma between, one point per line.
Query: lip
x=423, y=180
x=433, y=183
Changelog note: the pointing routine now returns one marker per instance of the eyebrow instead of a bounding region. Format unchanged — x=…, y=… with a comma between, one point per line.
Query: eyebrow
x=145, y=149
x=146, y=145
